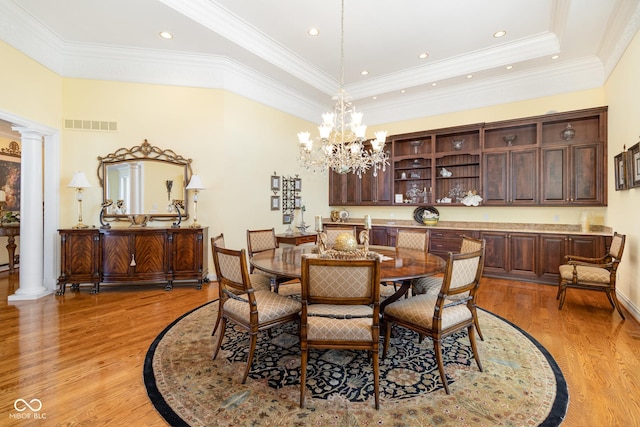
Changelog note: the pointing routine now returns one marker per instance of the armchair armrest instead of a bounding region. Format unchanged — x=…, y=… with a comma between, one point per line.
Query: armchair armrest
x=587, y=260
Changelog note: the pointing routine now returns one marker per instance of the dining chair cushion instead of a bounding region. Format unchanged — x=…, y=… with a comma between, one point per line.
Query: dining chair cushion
x=419, y=310
x=270, y=306
x=429, y=285
x=328, y=322
x=586, y=274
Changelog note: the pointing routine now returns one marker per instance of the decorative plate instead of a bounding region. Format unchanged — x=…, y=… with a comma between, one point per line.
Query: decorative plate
x=344, y=215
x=418, y=213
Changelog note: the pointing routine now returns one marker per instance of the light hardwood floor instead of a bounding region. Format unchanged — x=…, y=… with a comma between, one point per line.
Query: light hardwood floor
x=81, y=355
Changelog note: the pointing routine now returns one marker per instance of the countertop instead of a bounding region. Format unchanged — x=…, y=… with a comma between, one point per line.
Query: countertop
x=598, y=230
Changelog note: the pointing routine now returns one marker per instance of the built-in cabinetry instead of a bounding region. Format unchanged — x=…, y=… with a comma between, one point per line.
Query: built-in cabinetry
x=555, y=159
x=527, y=256
x=132, y=255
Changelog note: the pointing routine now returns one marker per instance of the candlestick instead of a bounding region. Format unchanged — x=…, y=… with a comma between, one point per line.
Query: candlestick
x=318, y=222
x=367, y=222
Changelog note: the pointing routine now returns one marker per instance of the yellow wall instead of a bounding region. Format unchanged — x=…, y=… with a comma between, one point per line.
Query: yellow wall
x=28, y=89
x=622, y=91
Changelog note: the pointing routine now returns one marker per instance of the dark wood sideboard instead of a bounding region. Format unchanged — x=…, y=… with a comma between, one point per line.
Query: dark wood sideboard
x=132, y=255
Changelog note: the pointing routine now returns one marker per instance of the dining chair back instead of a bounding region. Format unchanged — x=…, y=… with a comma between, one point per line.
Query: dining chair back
x=413, y=240
x=441, y=316
x=333, y=232
x=340, y=310
x=593, y=273
x=250, y=309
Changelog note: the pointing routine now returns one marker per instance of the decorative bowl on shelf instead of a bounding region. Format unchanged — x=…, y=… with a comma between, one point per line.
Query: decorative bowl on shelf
x=510, y=139
x=430, y=221
x=568, y=133
x=457, y=144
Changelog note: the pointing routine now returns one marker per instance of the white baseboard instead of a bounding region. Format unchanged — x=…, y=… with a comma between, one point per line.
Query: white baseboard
x=630, y=306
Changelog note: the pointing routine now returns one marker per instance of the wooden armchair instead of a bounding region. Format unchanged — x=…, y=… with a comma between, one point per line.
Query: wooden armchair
x=340, y=310
x=593, y=273
x=250, y=309
x=264, y=240
x=440, y=316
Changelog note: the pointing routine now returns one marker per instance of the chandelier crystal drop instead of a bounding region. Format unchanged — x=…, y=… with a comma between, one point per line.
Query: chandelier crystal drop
x=343, y=146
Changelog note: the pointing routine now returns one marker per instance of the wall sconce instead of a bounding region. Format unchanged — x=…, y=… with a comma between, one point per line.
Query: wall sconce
x=79, y=181
x=195, y=184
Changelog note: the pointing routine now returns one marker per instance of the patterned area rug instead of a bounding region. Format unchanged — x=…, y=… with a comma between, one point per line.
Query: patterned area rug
x=521, y=384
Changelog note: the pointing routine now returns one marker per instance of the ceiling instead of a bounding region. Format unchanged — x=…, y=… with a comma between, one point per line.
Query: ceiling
x=260, y=49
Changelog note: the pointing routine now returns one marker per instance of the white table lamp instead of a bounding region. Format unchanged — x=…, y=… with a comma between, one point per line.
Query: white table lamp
x=195, y=184
x=79, y=181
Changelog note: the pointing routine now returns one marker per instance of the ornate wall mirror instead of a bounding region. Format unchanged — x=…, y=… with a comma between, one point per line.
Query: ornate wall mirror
x=144, y=181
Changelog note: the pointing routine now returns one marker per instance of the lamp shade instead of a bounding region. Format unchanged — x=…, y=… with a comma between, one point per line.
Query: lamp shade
x=79, y=180
x=195, y=183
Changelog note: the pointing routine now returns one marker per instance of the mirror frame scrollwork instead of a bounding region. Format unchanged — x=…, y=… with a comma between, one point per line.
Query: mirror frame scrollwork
x=145, y=152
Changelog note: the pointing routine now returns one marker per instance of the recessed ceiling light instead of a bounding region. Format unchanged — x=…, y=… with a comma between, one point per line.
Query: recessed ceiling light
x=434, y=84
x=499, y=34
x=313, y=31
x=166, y=35
x=402, y=91
x=364, y=73
x=375, y=97
x=508, y=67
x=555, y=57
x=469, y=76
x=423, y=55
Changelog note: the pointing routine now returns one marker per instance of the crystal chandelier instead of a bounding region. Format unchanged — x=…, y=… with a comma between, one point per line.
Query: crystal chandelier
x=342, y=136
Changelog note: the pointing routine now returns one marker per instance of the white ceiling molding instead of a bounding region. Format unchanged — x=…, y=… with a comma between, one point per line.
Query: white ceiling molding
x=626, y=16
x=574, y=76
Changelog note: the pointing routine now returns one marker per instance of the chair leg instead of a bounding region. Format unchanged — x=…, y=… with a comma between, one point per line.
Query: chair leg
x=474, y=347
x=217, y=320
x=475, y=321
x=563, y=293
x=252, y=349
x=303, y=375
x=376, y=380
x=443, y=377
x=387, y=338
x=612, y=296
x=223, y=327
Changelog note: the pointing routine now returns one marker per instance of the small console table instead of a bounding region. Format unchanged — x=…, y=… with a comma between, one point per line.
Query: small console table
x=11, y=231
x=296, y=238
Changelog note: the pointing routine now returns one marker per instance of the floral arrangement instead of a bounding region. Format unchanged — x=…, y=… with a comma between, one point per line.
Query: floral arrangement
x=11, y=217
x=430, y=215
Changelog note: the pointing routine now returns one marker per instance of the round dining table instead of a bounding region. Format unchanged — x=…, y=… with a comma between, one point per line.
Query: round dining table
x=398, y=265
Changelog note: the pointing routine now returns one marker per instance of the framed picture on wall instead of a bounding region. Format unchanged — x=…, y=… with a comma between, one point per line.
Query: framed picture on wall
x=297, y=184
x=620, y=165
x=287, y=218
x=633, y=162
x=275, y=183
x=275, y=203
x=10, y=181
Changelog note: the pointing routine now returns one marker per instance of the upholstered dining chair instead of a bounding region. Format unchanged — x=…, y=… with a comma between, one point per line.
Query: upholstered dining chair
x=340, y=310
x=264, y=240
x=440, y=316
x=593, y=273
x=418, y=240
x=259, y=282
x=431, y=285
x=333, y=232
x=250, y=309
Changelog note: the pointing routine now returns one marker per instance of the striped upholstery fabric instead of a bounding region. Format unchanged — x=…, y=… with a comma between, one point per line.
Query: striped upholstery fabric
x=333, y=232
x=269, y=304
x=419, y=311
x=327, y=328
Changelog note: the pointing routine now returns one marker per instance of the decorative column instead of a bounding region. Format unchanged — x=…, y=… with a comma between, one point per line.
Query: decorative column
x=31, y=219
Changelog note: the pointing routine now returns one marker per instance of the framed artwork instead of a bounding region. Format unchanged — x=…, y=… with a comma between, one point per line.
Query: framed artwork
x=275, y=203
x=620, y=166
x=275, y=183
x=10, y=181
x=287, y=218
x=297, y=184
x=633, y=161
x=297, y=202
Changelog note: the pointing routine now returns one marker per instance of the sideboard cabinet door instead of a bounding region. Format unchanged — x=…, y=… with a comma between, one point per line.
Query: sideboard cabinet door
x=79, y=258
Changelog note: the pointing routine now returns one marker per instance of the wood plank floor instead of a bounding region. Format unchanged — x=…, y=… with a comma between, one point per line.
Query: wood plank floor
x=82, y=354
